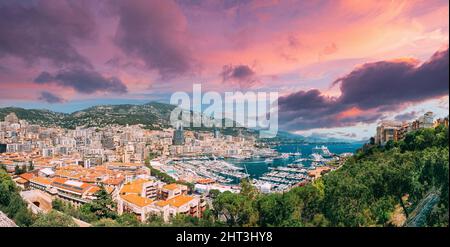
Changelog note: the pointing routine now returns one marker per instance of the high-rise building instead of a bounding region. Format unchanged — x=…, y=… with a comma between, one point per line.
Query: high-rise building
x=392, y=130
x=216, y=133
x=403, y=130
x=178, y=136
x=12, y=118
x=426, y=121
x=387, y=131
x=441, y=121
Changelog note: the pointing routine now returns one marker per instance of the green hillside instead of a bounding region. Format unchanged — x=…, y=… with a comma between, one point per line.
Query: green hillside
x=152, y=115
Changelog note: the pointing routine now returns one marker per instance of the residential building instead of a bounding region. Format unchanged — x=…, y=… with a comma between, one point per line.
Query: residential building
x=387, y=131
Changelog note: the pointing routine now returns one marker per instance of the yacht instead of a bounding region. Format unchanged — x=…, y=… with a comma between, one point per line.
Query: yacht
x=300, y=160
x=298, y=165
x=268, y=160
x=284, y=156
x=322, y=150
x=317, y=157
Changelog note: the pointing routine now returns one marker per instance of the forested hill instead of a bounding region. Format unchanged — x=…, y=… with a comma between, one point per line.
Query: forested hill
x=402, y=183
x=379, y=186
x=151, y=115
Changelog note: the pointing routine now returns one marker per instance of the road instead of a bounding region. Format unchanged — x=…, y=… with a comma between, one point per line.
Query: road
x=418, y=216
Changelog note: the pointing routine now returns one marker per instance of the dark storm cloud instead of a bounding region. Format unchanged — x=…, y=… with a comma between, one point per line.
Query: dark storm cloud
x=367, y=93
x=308, y=111
x=406, y=116
x=154, y=31
x=37, y=30
x=394, y=83
x=50, y=97
x=311, y=99
x=243, y=75
x=83, y=81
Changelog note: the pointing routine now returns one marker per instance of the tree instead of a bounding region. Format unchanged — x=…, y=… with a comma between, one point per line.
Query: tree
x=58, y=204
x=372, y=141
x=102, y=207
x=399, y=179
x=12, y=203
x=54, y=219
x=155, y=220
x=17, y=170
x=237, y=209
x=248, y=190
x=389, y=145
x=7, y=189
x=319, y=220
x=213, y=193
x=128, y=219
x=24, y=217
x=267, y=207
x=106, y=223
x=15, y=205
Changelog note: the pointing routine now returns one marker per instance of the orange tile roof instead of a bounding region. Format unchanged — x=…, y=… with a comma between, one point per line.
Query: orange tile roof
x=205, y=181
x=27, y=176
x=133, y=187
x=59, y=180
x=21, y=181
x=122, y=164
x=176, y=201
x=109, y=189
x=162, y=203
x=171, y=186
x=137, y=200
x=93, y=190
x=41, y=180
x=62, y=183
x=114, y=181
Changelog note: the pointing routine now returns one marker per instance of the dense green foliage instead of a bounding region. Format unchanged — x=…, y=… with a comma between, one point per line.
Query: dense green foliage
x=54, y=219
x=41, y=117
x=101, y=212
x=364, y=192
x=166, y=178
x=11, y=203
x=370, y=189
x=99, y=209
x=161, y=175
x=152, y=115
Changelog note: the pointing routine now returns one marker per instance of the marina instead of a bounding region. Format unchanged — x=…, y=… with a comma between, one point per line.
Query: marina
x=273, y=170
x=218, y=170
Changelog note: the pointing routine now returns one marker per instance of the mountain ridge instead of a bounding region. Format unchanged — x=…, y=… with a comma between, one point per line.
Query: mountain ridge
x=152, y=115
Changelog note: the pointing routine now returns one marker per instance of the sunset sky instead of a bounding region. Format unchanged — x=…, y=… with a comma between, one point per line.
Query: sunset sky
x=339, y=66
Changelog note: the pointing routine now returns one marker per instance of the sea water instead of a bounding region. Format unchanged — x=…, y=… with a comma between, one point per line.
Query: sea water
x=256, y=167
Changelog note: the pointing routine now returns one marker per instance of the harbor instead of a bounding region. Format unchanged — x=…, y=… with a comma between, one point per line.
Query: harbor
x=273, y=170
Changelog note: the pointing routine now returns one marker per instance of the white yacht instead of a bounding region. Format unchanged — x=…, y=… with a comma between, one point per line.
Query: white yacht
x=322, y=150
x=317, y=157
x=268, y=160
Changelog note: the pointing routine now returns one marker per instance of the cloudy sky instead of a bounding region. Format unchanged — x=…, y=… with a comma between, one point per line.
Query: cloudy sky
x=339, y=66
